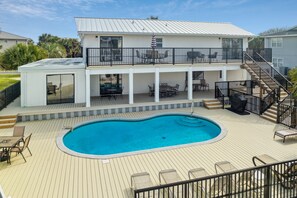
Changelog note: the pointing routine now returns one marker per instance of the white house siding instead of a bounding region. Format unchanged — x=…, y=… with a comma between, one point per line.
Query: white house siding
x=9, y=43
x=236, y=75
x=36, y=82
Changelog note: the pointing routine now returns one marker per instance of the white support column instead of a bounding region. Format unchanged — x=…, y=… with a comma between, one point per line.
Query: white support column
x=157, y=84
x=88, y=88
x=131, y=92
x=190, y=84
x=224, y=74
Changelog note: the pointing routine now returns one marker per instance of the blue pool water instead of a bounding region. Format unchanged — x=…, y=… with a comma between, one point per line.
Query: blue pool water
x=121, y=136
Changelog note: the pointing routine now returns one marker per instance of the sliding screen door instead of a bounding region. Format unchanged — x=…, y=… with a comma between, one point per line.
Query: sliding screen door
x=60, y=88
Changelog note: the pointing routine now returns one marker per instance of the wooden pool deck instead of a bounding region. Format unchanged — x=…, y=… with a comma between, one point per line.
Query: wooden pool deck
x=52, y=173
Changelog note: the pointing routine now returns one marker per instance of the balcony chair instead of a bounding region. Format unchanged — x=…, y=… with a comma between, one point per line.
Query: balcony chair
x=142, y=57
x=213, y=56
x=163, y=56
x=191, y=55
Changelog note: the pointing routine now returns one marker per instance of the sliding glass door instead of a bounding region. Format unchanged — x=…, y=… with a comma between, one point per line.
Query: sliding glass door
x=60, y=88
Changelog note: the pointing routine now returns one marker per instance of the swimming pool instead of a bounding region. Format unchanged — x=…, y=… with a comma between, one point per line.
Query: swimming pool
x=111, y=138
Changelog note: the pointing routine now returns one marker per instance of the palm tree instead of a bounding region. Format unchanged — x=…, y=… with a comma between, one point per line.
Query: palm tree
x=54, y=50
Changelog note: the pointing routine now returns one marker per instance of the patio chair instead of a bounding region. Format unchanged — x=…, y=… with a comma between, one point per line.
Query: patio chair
x=171, y=176
x=142, y=57
x=163, y=56
x=18, y=131
x=285, y=173
x=141, y=180
x=151, y=91
x=20, y=149
x=204, y=85
x=191, y=55
x=283, y=133
x=207, y=188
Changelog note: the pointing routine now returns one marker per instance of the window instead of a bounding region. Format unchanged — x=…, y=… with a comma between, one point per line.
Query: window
x=276, y=42
x=278, y=62
x=159, y=42
x=110, y=48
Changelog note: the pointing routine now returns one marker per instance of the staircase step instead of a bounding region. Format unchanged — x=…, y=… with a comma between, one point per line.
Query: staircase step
x=9, y=120
x=212, y=104
x=5, y=126
x=7, y=116
x=269, y=118
x=269, y=114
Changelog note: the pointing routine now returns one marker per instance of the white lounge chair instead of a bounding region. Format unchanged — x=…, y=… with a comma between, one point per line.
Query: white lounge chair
x=171, y=176
x=141, y=180
x=283, y=133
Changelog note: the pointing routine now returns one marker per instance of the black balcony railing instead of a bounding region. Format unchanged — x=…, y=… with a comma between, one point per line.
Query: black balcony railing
x=140, y=56
x=269, y=181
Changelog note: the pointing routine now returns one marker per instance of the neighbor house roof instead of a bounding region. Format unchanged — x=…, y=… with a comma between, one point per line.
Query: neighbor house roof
x=158, y=27
x=10, y=36
x=54, y=64
x=289, y=32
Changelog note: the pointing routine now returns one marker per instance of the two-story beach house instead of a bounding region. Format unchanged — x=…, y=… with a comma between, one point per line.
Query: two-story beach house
x=130, y=57
x=284, y=49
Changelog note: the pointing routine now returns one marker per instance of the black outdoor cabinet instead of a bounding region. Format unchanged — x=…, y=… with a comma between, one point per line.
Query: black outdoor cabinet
x=238, y=102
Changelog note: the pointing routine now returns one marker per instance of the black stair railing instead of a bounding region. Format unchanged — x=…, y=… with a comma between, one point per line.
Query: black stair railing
x=276, y=75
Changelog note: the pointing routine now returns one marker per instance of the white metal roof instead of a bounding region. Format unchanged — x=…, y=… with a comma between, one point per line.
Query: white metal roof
x=54, y=64
x=10, y=36
x=158, y=27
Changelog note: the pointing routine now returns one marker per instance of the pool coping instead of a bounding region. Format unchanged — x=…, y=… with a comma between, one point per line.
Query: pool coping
x=65, y=130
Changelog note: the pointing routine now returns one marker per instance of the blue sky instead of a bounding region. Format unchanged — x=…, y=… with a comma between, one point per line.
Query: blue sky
x=31, y=18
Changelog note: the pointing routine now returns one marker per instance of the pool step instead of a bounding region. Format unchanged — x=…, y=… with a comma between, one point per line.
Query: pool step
x=212, y=104
x=190, y=122
x=7, y=121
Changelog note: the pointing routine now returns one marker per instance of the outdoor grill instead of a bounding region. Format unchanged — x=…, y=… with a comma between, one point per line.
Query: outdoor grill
x=238, y=102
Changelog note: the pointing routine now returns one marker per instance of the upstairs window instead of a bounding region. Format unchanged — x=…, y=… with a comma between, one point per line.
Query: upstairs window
x=159, y=42
x=278, y=62
x=276, y=42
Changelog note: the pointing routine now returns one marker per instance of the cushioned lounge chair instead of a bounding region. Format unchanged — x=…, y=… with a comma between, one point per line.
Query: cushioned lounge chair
x=283, y=133
x=224, y=166
x=285, y=173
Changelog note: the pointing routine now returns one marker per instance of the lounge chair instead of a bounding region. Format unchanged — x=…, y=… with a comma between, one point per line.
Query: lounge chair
x=209, y=188
x=20, y=149
x=224, y=166
x=283, y=133
x=285, y=173
x=141, y=180
x=171, y=176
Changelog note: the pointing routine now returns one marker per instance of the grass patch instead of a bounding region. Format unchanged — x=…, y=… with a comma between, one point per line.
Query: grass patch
x=8, y=79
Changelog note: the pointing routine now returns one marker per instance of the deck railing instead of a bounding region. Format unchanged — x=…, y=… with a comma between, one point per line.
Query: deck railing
x=268, y=181
x=140, y=56
x=9, y=94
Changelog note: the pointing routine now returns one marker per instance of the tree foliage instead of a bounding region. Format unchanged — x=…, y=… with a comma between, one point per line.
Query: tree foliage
x=293, y=78
x=71, y=45
x=54, y=50
x=256, y=43
x=21, y=54
x=273, y=31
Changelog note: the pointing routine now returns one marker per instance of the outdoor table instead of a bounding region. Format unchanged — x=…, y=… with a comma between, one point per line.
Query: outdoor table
x=8, y=142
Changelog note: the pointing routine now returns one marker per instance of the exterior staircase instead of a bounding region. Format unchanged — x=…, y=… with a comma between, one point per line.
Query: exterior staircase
x=7, y=121
x=212, y=104
x=268, y=84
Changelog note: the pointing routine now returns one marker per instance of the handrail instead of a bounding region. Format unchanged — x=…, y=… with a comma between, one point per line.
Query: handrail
x=262, y=70
x=274, y=69
x=271, y=102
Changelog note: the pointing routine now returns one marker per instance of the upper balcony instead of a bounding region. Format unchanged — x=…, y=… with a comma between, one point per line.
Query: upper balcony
x=150, y=56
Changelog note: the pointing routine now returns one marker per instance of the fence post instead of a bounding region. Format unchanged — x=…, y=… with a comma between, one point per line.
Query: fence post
x=173, y=56
x=267, y=182
x=192, y=56
x=209, y=56
x=132, y=56
x=226, y=54
x=87, y=58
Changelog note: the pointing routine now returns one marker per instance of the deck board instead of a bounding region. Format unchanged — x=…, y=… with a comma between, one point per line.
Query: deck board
x=53, y=173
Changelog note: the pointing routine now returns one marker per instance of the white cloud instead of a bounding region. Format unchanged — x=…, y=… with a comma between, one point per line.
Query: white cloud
x=48, y=9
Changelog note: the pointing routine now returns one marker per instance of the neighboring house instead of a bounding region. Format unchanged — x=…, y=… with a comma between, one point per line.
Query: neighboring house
x=8, y=40
x=126, y=56
x=284, y=49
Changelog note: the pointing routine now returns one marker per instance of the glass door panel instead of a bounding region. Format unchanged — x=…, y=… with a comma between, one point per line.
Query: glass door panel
x=60, y=88
x=67, y=88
